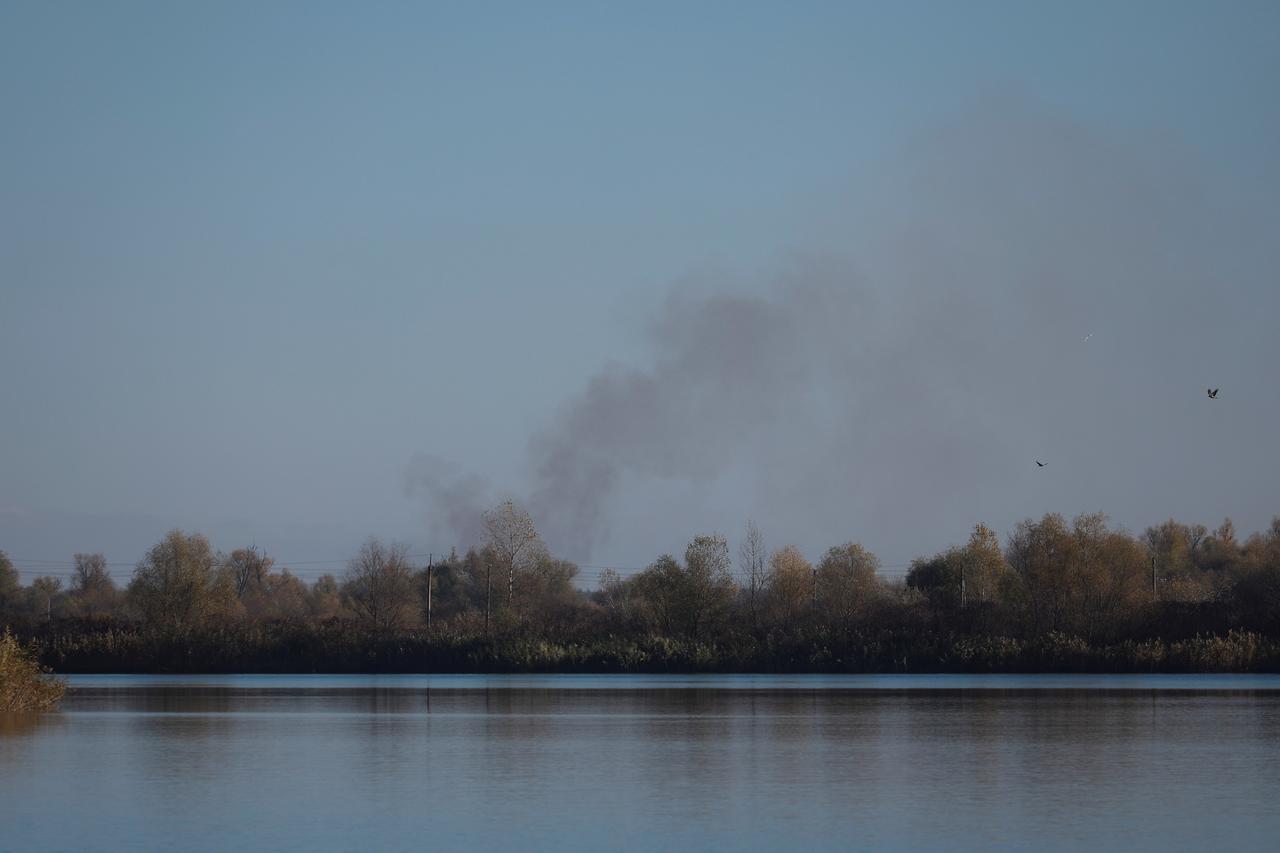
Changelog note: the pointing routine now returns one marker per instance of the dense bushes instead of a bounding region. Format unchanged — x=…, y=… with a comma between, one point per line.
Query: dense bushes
x=24, y=686
x=339, y=647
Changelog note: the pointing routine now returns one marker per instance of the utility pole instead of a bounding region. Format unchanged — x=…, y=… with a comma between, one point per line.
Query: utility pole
x=430, y=562
x=1153, y=580
x=964, y=597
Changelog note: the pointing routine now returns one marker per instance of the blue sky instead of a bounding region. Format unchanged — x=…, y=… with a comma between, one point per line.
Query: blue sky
x=256, y=259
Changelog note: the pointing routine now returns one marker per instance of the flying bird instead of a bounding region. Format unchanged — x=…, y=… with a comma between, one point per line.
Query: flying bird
x=1213, y=393
x=1039, y=464
x=1086, y=337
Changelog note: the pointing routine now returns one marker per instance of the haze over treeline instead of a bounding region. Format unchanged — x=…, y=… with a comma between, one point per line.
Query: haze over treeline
x=905, y=384
x=290, y=284
x=912, y=376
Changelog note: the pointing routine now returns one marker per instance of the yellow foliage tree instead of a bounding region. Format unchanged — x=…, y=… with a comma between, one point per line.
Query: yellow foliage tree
x=24, y=684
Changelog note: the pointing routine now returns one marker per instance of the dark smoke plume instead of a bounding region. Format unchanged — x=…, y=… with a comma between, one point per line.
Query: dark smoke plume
x=902, y=396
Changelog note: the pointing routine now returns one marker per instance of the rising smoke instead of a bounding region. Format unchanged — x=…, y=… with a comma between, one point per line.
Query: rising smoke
x=896, y=388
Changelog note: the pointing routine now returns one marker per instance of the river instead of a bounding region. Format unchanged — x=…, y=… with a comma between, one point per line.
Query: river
x=646, y=762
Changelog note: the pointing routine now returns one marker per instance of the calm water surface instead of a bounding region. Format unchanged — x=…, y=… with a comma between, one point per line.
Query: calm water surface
x=620, y=762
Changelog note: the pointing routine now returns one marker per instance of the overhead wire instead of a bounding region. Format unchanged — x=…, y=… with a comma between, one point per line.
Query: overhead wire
x=46, y=567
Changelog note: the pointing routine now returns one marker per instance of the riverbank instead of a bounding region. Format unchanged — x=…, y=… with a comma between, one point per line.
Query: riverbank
x=342, y=648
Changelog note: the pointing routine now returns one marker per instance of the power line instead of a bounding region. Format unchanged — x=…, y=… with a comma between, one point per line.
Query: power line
x=30, y=560
x=65, y=568
x=34, y=567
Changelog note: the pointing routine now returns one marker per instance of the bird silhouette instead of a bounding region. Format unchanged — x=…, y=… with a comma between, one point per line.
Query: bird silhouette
x=1213, y=393
x=1039, y=463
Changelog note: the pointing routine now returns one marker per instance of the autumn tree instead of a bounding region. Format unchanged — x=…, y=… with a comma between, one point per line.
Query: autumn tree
x=10, y=588
x=249, y=569
x=379, y=586
x=1220, y=553
x=324, y=599
x=1037, y=553
x=1081, y=579
x=1174, y=553
x=660, y=590
x=265, y=594
x=986, y=569
x=1113, y=568
x=1257, y=577
x=709, y=587
x=687, y=599
x=962, y=576
x=277, y=596
x=791, y=585
x=24, y=684
x=177, y=586
x=846, y=583
x=549, y=593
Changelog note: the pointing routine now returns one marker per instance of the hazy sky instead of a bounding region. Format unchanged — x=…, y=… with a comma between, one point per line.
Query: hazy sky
x=299, y=274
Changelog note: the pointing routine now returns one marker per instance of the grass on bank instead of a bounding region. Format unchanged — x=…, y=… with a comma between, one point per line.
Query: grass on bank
x=24, y=684
x=346, y=648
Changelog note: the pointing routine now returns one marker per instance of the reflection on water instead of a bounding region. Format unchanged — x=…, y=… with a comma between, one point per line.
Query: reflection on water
x=465, y=762
x=14, y=724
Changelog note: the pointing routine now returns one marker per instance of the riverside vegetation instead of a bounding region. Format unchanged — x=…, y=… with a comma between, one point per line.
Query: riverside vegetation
x=1056, y=596
x=24, y=685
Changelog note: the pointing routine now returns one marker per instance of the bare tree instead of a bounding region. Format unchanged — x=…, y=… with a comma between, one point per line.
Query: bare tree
x=515, y=542
x=612, y=590
x=751, y=559
x=42, y=592
x=249, y=569
x=90, y=571
x=379, y=585
x=93, y=592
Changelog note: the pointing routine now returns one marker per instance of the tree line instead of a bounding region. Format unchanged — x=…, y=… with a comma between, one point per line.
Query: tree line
x=1082, y=588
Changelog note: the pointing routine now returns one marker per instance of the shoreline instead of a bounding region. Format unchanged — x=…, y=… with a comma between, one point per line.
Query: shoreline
x=340, y=649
